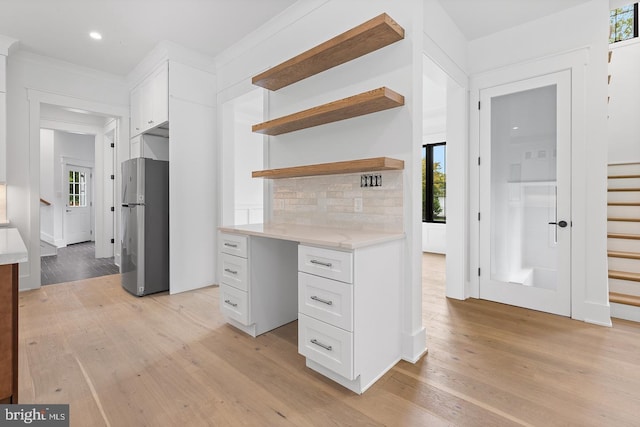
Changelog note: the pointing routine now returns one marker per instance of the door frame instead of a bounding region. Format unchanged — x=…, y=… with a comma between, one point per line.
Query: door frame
x=574, y=61
x=30, y=274
x=556, y=301
x=65, y=163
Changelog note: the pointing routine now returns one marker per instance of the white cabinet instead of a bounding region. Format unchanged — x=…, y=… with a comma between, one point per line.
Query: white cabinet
x=150, y=146
x=150, y=101
x=349, y=312
x=258, y=282
x=3, y=119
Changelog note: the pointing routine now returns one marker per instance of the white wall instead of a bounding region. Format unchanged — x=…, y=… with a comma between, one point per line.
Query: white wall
x=578, y=32
x=624, y=103
x=47, y=190
x=92, y=90
x=394, y=133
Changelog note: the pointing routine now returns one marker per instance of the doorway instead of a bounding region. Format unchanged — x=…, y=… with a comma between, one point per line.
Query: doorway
x=525, y=193
x=78, y=218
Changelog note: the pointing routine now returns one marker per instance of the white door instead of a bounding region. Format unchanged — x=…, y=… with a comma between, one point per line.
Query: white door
x=77, y=225
x=525, y=195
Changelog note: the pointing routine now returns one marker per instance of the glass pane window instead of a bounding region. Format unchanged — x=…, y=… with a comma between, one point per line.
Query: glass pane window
x=77, y=189
x=434, y=182
x=623, y=23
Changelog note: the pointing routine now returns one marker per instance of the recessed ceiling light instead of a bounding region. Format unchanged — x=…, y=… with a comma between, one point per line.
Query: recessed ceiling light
x=515, y=128
x=95, y=35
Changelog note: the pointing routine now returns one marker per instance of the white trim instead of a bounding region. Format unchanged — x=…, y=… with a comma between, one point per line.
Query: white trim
x=5, y=44
x=30, y=271
x=76, y=162
x=413, y=346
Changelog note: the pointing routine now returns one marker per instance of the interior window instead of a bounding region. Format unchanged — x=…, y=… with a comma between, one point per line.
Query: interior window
x=623, y=23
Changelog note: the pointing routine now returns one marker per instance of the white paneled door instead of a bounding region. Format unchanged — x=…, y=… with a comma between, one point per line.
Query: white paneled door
x=77, y=224
x=525, y=194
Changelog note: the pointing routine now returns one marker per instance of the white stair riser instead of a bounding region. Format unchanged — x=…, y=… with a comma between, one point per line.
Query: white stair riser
x=623, y=211
x=623, y=196
x=624, y=227
x=626, y=312
x=624, y=183
x=626, y=245
x=626, y=287
x=623, y=169
x=624, y=264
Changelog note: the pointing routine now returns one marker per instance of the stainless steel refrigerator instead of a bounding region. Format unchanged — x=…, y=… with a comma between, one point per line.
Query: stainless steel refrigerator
x=145, y=226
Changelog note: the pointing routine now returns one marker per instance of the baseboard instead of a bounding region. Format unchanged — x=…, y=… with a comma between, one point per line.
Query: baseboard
x=625, y=312
x=47, y=238
x=414, y=346
x=598, y=314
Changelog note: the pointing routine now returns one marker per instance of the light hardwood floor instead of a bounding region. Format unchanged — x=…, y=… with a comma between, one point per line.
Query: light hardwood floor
x=167, y=360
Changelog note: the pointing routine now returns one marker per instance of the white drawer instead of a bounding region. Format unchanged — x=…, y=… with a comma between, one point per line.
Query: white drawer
x=234, y=304
x=327, y=300
x=327, y=345
x=233, y=244
x=332, y=264
x=233, y=272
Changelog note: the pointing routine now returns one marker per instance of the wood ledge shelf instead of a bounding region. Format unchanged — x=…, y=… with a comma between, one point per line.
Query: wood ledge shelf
x=364, y=103
x=352, y=166
x=358, y=41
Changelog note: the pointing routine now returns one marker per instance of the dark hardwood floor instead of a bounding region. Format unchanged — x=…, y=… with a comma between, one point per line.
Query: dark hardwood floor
x=163, y=360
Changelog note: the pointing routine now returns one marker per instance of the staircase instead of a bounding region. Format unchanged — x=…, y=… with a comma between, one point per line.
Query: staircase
x=623, y=243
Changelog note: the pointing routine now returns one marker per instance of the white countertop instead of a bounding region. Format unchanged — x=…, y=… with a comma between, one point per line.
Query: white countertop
x=315, y=235
x=12, y=248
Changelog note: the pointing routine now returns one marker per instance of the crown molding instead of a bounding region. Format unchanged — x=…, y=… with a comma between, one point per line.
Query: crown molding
x=5, y=44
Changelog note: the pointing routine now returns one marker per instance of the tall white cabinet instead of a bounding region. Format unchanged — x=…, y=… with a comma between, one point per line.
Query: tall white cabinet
x=175, y=99
x=3, y=118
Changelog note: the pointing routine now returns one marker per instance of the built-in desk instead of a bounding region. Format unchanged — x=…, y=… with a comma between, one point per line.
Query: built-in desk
x=12, y=252
x=343, y=286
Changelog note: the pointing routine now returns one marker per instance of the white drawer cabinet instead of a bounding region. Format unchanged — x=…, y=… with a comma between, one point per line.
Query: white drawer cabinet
x=233, y=271
x=349, y=311
x=234, y=304
x=258, y=282
x=327, y=345
x=329, y=263
x=327, y=300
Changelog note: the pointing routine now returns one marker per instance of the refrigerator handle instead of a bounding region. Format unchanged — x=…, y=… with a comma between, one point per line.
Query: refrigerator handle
x=124, y=205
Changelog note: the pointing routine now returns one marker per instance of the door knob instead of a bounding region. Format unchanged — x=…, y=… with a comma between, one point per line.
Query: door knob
x=561, y=224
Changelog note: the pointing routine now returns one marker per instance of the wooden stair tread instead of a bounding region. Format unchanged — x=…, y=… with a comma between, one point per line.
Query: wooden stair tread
x=623, y=219
x=624, y=275
x=623, y=204
x=624, y=299
x=623, y=254
x=624, y=189
x=622, y=176
x=623, y=236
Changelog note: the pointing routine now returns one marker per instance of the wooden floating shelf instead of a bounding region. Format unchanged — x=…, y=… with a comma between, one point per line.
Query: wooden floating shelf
x=352, y=166
x=365, y=38
x=353, y=106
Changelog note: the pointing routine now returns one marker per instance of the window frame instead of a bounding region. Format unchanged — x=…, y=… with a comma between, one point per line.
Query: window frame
x=427, y=196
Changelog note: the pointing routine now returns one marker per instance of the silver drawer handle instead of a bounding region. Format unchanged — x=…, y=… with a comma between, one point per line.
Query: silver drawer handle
x=324, y=264
x=231, y=245
x=232, y=304
x=319, y=344
x=228, y=270
x=324, y=301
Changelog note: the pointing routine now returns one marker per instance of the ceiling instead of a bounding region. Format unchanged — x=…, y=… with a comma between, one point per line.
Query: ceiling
x=479, y=18
x=130, y=28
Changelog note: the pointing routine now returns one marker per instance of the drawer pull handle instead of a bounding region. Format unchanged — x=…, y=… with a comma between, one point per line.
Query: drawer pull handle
x=324, y=264
x=228, y=270
x=232, y=304
x=231, y=245
x=324, y=301
x=319, y=344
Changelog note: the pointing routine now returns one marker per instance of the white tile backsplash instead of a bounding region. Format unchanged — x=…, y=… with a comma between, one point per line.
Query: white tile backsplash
x=329, y=201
